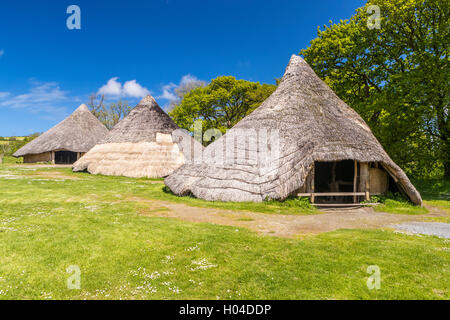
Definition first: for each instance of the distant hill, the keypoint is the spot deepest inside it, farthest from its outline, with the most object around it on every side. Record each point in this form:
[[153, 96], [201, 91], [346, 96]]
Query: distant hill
[[12, 138]]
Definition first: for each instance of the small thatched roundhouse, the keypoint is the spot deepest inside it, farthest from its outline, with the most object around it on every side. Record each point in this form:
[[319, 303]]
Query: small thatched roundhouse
[[146, 143], [303, 140], [66, 142]]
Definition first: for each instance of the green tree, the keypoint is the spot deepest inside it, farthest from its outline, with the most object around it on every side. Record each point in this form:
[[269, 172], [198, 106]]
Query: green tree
[[187, 85], [15, 144], [4, 149], [220, 104], [396, 77]]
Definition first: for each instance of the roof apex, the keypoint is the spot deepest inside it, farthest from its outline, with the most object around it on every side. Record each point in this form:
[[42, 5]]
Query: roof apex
[[82, 107], [294, 64], [148, 100], [311, 123]]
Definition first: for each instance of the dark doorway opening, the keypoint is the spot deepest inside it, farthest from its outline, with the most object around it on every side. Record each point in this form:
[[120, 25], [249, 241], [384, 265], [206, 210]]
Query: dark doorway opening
[[393, 187], [65, 157], [334, 177]]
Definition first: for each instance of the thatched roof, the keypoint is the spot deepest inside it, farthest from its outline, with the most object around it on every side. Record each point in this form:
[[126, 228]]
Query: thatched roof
[[142, 124], [146, 143], [77, 133], [313, 124]]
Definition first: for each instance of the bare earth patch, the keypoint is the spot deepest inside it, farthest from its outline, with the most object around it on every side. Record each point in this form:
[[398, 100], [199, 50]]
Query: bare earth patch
[[288, 226]]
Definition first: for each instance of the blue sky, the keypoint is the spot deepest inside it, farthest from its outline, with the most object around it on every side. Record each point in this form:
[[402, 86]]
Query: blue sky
[[129, 48]]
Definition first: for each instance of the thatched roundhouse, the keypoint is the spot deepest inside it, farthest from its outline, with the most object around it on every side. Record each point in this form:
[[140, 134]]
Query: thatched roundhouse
[[303, 140], [66, 142], [146, 143]]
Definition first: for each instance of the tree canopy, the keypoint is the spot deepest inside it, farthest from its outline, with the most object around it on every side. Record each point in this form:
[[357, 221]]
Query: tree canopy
[[13, 144], [221, 104], [396, 77]]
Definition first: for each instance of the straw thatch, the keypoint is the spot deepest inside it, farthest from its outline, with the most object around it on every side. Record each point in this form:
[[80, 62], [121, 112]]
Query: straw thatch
[[146, 143], [77, 133], [312, 124]]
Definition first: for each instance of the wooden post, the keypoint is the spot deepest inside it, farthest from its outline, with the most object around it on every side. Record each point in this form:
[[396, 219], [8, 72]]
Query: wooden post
[[367, 191], [364, 179], [355, 176], [53, 157], [312, 182]]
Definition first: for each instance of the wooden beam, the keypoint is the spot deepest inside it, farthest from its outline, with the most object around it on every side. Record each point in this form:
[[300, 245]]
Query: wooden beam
[[355, 176], [345, 204], [367, 191], [330, 194], [312, 182], [364, 179]]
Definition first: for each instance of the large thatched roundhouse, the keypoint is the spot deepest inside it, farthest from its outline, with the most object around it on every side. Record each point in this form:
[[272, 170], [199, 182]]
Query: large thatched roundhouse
[[146, 143], [66, 142], [303, 140]]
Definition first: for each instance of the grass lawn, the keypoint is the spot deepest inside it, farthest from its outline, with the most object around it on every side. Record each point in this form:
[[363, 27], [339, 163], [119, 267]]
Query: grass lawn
[[12, 160], [48, 223], [434, 192]]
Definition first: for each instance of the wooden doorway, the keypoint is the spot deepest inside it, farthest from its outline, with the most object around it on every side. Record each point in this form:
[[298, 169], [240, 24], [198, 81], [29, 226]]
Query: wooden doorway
[[337, 183], [65, 157], [338, 179]]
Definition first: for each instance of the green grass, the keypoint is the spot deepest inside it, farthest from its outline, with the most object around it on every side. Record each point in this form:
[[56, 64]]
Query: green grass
[[396, 204], [434, 192], [433, 189], [48, 224], [289, 206], [12, 160], [400, 207], [160, 192]]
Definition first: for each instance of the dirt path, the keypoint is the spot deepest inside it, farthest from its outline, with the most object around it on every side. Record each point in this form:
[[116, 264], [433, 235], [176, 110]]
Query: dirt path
[[289, 226]]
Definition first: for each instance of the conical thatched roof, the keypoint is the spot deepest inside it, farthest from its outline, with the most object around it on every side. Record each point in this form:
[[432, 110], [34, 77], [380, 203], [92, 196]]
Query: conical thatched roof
[[142, 124], [312, 123], [77, 133], [146, 143]]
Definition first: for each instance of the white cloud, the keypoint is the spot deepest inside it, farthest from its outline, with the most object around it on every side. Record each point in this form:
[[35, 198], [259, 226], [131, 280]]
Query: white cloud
[[111, 88], [44, 97], [2, 52], [133, 89], [172, 91], [129, 89], [188, 79], [168, 92]]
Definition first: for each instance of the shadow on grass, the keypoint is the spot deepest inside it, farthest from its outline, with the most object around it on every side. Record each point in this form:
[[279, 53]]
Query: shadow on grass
[[291, 205], [435, 192], [434, 189]]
